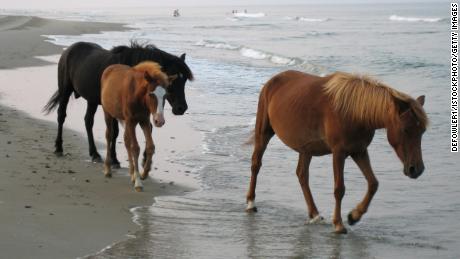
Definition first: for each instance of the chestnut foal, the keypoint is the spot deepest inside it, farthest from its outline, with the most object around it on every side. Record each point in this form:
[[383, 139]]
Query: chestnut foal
[[130, 95]]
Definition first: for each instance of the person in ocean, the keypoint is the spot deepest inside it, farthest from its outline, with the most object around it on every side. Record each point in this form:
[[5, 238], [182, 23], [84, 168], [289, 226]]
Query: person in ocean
[[176, 13]]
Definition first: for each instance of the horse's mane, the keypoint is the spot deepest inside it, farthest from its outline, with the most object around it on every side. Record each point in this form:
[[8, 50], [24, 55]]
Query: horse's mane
[[138, 52], [154, 70], [364, 99]]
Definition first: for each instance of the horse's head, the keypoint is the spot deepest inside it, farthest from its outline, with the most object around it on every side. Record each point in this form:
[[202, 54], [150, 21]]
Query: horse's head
[[171, 65], [157, 89], [405, 135], [176, 92]]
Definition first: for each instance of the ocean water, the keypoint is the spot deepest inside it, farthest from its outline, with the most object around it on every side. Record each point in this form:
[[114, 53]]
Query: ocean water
[[232, 56]]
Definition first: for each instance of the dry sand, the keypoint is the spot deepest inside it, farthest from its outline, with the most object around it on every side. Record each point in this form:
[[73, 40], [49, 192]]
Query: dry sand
[[63, 207]]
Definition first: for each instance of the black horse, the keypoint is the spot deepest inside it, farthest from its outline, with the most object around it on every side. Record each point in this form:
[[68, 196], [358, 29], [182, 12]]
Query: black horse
[[79, 72]]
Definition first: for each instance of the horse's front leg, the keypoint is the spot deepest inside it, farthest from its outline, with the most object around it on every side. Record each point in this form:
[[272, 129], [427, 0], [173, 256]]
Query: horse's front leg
[[109, 121], [364, 164], [114, 161], [127, 139], [135, 150], [339, 191], [89, 122], [149, 149], [144, 158], [303, 176]]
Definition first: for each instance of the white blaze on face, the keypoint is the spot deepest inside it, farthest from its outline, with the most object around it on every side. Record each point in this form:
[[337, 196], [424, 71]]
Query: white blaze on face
[[159, 93]]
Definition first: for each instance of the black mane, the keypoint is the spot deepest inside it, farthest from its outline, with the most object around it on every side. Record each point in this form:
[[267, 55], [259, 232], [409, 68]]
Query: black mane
[[138, 52]]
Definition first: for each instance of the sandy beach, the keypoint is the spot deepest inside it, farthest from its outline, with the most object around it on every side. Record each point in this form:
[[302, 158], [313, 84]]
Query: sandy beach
[[54, 207], [22, 40]]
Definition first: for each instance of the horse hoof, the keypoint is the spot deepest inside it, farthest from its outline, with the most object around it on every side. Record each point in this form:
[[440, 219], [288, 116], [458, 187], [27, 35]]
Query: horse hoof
[[58, 153], [315, 220], [143, 177], [138, 188], [96, 160], [251, 210], [351, 220], [340, 230], [116, 166], [109, 175]]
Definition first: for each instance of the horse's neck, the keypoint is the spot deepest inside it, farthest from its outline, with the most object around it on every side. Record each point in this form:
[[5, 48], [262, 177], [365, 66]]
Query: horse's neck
[[127, 59]]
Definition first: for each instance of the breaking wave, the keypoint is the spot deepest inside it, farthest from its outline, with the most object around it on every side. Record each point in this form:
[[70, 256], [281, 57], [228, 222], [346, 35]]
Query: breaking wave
[[398, 18], [305, 19], [250, 53], [249, 15]]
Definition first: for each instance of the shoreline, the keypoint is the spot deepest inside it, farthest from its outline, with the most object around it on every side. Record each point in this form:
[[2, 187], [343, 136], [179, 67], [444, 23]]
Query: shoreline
[[22, 38], [60, 207]]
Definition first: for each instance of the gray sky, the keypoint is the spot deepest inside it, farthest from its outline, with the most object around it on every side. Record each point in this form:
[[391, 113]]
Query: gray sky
[[58, 4]]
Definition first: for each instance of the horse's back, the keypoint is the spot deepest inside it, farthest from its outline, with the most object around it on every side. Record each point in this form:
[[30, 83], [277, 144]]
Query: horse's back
[[81, 66], [296, 106]]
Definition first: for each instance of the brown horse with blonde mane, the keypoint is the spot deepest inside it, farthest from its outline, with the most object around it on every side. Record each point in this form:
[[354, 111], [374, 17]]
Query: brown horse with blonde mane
[[336, 114], [130, 95]]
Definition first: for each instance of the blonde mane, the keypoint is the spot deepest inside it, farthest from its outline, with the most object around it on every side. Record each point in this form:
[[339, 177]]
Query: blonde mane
[[154, 70], [366, 100]]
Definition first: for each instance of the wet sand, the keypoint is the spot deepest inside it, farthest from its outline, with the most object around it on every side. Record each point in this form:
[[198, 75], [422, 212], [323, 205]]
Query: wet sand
[[56, 207], [59, 207]]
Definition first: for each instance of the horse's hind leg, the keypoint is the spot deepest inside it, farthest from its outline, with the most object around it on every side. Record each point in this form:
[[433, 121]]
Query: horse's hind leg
[[262, 135], [89, 122], [363, 162], [114, 161], [63, 101], [149, 149], [303, 176]]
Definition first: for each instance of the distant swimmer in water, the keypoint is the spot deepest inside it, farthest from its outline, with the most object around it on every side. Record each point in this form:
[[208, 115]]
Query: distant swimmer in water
[[176, 13]]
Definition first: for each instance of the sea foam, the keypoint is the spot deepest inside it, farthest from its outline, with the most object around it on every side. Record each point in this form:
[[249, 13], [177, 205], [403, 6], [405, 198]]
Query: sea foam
[[252, 53], [305, 19], [398, 18], [216, 45], [249, 52], [249, 15]]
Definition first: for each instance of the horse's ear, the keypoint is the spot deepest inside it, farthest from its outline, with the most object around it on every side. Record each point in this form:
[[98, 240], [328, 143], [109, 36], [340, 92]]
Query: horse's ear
[[421, 99], [172, 78], [182, 57], [403, 106], [148, 77]]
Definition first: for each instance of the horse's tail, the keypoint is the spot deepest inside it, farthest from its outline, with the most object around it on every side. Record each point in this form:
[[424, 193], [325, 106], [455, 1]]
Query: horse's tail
[[250, 141], [62, 84], [52, 103], [262, 126]]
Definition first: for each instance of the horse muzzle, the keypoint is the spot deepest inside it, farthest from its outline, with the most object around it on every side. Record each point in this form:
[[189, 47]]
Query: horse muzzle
[[413, 171], [179, 110], [158, 120]]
